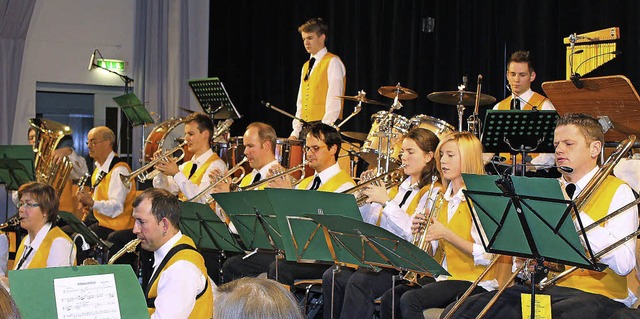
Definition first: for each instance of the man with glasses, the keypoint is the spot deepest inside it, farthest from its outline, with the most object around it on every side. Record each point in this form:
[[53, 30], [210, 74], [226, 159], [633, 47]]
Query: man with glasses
[[111, 202]]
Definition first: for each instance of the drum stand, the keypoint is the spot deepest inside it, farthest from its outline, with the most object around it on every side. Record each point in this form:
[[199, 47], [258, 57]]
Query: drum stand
[[460, 107], [385, 134]]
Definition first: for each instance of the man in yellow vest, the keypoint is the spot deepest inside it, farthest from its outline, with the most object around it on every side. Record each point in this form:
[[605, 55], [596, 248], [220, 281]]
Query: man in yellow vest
[[322, 146], [111, 200], [584, 293], [323, 77], [192, 176], [179, 286], [520, 74]]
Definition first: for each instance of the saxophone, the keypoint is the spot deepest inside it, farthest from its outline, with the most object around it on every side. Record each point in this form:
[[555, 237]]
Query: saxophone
[[128, 248]]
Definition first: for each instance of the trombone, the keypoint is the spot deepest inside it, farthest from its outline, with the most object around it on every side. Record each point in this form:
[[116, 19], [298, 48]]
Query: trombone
[[211, 186], [581, 200], [391, 178], [141, 172], [258, 184]]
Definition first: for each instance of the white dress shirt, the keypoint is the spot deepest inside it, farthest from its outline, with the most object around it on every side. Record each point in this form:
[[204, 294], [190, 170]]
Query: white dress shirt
[[181, 183], [113, 206], [178, 285], [79, 165], [62, 252], [328, 174], [621, 260], [333, 106]]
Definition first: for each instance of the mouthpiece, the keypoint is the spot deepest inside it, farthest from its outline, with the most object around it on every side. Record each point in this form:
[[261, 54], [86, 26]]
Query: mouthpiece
[[566, 169]]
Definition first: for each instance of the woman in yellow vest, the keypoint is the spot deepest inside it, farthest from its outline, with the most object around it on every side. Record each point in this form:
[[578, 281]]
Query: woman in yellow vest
[[452, 232], [45, 245], [392, 211]]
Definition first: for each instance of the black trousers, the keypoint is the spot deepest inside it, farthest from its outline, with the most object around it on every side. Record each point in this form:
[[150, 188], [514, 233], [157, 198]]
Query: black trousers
[[289, 271], [237, 266], [437, 294], [566, 303], [390, 301]]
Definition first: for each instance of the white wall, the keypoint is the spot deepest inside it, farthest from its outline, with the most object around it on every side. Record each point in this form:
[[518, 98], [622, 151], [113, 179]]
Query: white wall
[[61, 37]]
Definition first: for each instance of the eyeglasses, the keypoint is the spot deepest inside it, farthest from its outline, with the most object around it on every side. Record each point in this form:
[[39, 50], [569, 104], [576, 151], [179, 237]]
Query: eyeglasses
[[28, 205], [93, 143], [313, 149]]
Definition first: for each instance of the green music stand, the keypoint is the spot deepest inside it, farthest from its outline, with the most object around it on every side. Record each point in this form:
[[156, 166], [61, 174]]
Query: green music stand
[[16, 165], [529, 218], [79, 227], [214, 99], [134, 109], [202, 224], [101, 291], [377, 247]]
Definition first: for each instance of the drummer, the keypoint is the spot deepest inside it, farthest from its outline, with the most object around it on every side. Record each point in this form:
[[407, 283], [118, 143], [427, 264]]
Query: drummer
[[191, 177], [520, 74]]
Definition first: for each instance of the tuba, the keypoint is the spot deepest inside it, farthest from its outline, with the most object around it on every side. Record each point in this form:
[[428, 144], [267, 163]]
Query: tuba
[[49, 135]]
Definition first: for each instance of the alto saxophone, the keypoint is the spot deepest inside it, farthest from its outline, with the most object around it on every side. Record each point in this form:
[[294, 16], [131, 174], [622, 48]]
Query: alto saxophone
[[128, 248]]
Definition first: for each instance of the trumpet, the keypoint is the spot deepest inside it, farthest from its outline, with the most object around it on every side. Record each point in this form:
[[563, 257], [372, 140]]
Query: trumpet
[[211, 186], [141, 174], [258, 184], [128, 248], [13, 221], [435, 208], [391, 179]]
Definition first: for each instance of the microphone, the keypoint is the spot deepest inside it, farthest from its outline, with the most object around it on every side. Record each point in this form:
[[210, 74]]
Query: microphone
[[535, 107], [92, 61], [575, 76], [265, 103]]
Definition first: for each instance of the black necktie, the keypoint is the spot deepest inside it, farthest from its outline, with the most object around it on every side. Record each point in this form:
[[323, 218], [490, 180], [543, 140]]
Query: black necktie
[[256, 178], [406, 196], [570, 189], [316, 183], [515, 103], [311, 62], [194, 167]]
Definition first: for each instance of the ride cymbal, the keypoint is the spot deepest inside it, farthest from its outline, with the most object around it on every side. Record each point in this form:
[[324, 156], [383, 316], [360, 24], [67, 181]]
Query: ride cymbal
[[454, 98], [355, 136], [402, 93], [360, 98]]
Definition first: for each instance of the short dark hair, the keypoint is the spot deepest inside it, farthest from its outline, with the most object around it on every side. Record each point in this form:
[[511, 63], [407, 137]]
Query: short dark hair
[[328, 134], [204, 123], [45, 196], [163, 204], [588, 125], [265, 133], [316, 25], [521, 57]]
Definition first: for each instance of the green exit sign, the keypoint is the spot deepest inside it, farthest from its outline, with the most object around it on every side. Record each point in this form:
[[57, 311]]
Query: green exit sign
[[111, 64]]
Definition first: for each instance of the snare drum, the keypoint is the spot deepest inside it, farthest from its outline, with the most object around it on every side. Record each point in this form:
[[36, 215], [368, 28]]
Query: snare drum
[[437, 126], [165, 136], [376, 143]]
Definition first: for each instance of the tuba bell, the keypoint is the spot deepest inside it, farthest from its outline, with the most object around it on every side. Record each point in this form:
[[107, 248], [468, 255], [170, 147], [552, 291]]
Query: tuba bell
[[49, 133]]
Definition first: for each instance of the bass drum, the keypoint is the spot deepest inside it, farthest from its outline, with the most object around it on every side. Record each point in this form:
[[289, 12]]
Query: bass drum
[[437, 126], [165, 136]]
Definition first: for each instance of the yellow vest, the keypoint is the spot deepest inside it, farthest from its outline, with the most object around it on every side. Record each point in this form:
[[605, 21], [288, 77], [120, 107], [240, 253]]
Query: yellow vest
[[314, 90], [204, 304], [196, 178], [248, 180], [606, 283], [537, 100], [414, 202], [460, 264], [125, 219], [42, 254], [331, 185]]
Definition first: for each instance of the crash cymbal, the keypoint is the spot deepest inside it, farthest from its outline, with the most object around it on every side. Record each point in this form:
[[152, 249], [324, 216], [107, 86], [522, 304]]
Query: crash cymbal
[[355, 136], [453, 98], [360, 98], [402, 93]]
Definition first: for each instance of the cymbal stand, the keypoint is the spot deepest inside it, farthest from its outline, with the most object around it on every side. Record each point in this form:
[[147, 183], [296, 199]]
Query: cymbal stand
[[356, 109], [460, 106], [385, 134]]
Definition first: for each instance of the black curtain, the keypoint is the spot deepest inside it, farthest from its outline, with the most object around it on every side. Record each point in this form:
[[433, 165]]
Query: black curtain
[[257, 52]]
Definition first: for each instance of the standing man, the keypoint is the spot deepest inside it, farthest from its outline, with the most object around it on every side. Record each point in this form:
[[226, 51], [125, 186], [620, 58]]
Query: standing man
[[520, 74], [191, 177], [179, 286], [111, 200], [323, 78], [578, 140]]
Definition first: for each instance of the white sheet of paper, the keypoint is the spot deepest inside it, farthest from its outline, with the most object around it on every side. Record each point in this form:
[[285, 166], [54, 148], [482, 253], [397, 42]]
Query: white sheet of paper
[[87, 297]]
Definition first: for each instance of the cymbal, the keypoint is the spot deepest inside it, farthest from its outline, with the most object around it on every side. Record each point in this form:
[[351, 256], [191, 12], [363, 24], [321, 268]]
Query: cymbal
[[402, 93], [360, 98], [453, 98], [355, 136], [186, 110]]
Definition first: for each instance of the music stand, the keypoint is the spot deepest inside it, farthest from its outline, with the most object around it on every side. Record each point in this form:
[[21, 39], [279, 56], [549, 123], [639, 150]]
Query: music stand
[[529, 218], [214, 99], [16, 165], [200, 223], [612, 98], [133, 109], [519, 131]]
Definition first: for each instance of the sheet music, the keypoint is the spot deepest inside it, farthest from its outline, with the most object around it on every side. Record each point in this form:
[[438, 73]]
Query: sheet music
[[93, 297]]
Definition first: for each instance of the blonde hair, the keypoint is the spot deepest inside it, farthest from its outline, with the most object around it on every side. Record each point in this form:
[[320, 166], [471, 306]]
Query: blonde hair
[[255, 298], [470, 150]]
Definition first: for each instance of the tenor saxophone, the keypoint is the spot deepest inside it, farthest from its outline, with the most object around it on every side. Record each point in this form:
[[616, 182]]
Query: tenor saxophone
[[128, 248]]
